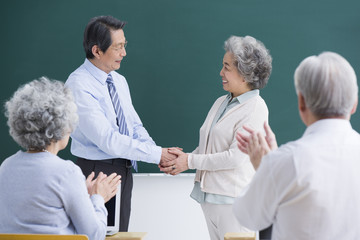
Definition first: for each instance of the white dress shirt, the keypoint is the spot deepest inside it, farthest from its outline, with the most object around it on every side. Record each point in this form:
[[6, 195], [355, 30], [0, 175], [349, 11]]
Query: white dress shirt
[[97, 135], [309, 188]]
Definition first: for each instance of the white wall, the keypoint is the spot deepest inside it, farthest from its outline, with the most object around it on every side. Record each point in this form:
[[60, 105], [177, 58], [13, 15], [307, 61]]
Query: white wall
[[162, 207]]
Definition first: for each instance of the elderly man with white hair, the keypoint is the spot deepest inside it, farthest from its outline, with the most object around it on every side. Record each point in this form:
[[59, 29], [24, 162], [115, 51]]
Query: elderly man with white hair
[[308, 188]]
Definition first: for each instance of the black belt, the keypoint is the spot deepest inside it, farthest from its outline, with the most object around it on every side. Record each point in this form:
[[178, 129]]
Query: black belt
[[118, 161]]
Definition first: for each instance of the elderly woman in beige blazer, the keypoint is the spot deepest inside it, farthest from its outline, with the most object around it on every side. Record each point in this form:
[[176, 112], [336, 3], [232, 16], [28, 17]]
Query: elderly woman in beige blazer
[[222, 169]]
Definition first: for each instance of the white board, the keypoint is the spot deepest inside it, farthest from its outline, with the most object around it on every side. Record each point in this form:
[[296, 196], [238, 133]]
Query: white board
[[162, 207]]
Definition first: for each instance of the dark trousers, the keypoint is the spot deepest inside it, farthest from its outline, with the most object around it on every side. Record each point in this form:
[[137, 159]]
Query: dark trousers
[[265, 234], [121, 167]]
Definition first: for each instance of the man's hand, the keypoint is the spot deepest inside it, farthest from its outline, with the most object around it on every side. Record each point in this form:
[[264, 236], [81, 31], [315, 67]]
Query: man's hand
[[270, 137], [257, 148], [179, 165], [168, 158], [255, 144]]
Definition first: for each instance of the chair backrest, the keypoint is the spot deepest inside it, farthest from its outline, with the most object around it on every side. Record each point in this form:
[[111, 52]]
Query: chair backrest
[[240, 236], [13, 236]]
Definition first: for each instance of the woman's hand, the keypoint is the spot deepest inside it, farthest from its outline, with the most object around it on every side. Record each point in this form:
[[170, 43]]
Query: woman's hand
[[179, 165], [105, 186], [90, 182]]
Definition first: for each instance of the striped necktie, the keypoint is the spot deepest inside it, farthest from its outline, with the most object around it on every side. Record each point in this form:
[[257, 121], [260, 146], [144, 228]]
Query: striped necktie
[[121, 122]]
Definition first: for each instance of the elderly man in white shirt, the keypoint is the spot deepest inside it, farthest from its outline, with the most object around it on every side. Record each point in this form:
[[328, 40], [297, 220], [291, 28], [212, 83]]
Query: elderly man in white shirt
[[308, 188]]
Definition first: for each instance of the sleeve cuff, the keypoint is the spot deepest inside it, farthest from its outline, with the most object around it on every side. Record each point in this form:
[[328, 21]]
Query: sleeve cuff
[[156, 156], [97, 199]]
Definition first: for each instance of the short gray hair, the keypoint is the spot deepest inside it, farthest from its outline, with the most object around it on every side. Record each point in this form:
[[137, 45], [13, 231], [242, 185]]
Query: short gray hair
[[41, 112], [328, 84], [252, 60]]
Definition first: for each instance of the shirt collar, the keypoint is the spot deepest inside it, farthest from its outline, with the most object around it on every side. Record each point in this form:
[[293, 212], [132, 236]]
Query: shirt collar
[[327, 124], [245, 96], [96, 72]]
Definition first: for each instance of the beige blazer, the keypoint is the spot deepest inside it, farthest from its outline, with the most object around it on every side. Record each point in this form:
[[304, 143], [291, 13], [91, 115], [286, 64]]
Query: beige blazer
[[221, 167]]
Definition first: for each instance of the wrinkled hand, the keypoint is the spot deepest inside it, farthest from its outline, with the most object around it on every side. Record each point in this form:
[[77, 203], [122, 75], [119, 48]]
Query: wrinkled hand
[[106, 186], [167, 158], [255, 144], [180, 164], [90, 182], [257, 148], [270, 137]]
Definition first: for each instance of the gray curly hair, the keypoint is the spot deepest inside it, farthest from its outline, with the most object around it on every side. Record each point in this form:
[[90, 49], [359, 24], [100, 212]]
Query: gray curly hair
[[252, 60], [41, 112]]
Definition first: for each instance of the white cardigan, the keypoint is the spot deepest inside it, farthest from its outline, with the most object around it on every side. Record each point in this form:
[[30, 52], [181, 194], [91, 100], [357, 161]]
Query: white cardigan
[[221, 167]]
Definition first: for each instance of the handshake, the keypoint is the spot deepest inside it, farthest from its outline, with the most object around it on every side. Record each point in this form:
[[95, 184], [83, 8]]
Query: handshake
[[173, 161]]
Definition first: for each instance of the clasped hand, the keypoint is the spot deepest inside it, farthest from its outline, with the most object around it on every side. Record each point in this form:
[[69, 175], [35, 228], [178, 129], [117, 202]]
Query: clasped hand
[[173, 161]]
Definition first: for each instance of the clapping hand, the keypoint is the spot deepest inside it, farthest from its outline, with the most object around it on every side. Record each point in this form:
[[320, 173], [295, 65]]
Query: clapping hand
[[255, 144], [105, 186], [90, 182]]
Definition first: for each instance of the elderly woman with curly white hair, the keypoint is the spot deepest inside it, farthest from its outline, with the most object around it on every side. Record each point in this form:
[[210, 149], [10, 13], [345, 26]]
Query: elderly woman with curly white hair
[[222, 169], [40, 192]]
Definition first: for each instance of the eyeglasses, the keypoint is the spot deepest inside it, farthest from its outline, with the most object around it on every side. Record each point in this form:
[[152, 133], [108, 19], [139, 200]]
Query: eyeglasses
[[121, 46]]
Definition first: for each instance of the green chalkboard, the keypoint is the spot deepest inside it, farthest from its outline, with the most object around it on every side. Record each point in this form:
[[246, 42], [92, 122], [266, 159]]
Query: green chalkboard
[[175, 52]]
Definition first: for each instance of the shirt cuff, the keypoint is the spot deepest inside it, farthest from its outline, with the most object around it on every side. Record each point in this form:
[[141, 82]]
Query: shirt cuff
[[156, 155]]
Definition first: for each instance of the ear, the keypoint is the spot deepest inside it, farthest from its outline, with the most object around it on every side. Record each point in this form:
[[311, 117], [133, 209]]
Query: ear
[[96, 51], [353, 110], [305, 115], [301, 103], [243, 79]]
